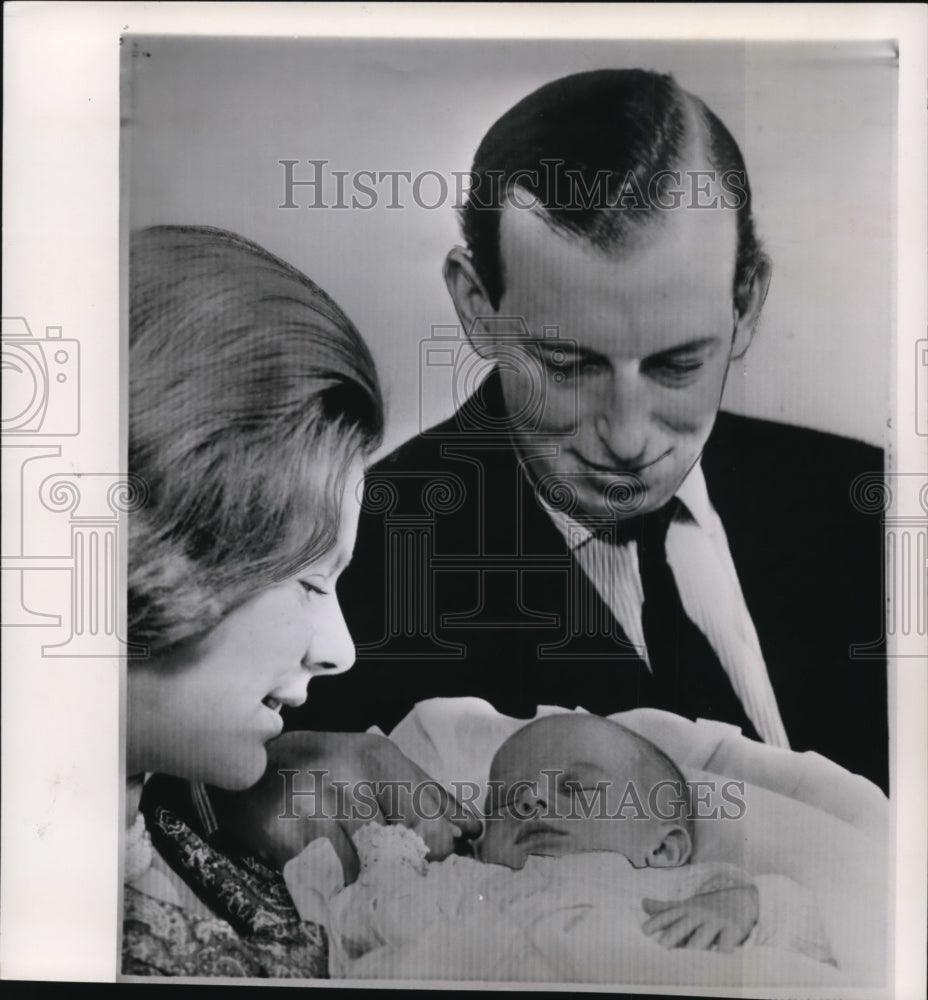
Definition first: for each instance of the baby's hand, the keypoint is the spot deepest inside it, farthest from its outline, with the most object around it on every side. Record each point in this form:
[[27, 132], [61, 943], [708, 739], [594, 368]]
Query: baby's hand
[[358, 778], [718, 920]]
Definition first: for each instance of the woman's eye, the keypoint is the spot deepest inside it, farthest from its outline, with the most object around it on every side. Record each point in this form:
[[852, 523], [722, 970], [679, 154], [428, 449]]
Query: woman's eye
[[311, 588]]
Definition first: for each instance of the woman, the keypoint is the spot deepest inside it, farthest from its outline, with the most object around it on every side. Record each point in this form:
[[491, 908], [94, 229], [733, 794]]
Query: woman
[[253, 403]]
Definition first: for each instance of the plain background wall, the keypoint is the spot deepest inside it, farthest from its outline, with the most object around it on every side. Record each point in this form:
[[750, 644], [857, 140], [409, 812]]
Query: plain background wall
[[208, 120]]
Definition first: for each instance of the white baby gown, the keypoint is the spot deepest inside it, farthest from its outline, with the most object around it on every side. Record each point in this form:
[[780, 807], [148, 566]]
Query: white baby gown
[[571, 919]]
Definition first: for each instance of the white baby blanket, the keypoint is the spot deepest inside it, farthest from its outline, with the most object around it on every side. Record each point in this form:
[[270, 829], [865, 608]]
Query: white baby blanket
[[557, 919]]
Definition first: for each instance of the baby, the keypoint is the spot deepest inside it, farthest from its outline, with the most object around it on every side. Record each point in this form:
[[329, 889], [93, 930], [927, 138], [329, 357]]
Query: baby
[[573, 783], [584, 864]]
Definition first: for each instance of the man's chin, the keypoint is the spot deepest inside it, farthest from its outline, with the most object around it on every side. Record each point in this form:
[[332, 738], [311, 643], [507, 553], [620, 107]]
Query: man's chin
[[595, 512]]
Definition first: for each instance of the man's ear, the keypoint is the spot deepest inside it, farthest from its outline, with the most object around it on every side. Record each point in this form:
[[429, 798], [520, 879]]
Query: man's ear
[[470, 299], [674, 849], [748, 306]]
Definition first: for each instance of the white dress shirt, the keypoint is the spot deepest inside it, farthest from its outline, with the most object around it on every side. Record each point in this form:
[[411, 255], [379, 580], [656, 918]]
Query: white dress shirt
[[702, 567]]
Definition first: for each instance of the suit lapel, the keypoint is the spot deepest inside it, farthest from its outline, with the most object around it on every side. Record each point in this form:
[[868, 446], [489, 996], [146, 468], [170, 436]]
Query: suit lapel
[[741, 485]]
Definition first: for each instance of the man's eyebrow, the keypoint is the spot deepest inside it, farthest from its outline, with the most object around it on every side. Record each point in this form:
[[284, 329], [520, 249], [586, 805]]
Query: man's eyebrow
[[550, 346]]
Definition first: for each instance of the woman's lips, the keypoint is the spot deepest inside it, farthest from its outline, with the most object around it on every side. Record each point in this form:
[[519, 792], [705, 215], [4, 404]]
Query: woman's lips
[[274, 719]]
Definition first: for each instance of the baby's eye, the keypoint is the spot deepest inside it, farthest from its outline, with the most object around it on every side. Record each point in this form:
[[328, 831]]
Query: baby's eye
[[581, 786], [512, 797]]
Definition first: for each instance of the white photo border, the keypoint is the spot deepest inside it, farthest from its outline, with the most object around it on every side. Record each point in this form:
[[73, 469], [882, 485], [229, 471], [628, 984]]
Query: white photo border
[[61, 733]]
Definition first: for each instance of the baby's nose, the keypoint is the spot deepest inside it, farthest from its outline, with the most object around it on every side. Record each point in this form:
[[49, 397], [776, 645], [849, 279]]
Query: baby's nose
[[528, 800]]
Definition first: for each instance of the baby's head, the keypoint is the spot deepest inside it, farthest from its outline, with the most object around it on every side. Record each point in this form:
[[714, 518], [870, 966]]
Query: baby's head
[[571, 783]]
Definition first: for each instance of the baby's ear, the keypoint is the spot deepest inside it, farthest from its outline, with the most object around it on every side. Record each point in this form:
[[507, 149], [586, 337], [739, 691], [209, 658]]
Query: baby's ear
[[674, 848]]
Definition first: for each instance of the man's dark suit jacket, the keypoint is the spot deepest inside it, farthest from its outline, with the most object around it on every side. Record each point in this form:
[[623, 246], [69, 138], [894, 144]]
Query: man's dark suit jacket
[[462, 585]]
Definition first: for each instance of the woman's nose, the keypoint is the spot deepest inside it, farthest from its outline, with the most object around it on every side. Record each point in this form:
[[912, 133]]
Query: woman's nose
[[331, 649]]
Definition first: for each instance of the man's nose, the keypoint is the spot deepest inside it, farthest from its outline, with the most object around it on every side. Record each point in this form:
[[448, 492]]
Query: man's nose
[[331, 648], [622, 420]]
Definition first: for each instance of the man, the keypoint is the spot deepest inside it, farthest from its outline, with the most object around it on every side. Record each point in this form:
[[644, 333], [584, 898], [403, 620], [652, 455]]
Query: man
[[588, 529]]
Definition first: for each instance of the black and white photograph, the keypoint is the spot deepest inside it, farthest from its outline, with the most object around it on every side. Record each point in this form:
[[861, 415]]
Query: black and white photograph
[[515, 549]]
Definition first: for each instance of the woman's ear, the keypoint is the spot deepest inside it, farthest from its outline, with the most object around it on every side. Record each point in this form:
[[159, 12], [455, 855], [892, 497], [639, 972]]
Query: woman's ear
[[468, 295], [748, 305], [673, 850]]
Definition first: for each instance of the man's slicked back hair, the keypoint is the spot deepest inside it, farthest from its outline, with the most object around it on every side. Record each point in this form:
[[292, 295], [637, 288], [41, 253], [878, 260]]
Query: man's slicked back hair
[[586, 134]]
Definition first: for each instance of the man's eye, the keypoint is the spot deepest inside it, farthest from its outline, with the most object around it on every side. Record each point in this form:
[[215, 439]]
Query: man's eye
[[558, 362], [677, 370], [569, 367]]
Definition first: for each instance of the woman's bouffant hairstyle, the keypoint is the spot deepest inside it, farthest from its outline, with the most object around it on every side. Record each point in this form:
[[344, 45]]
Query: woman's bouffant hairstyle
[[251, 394]]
